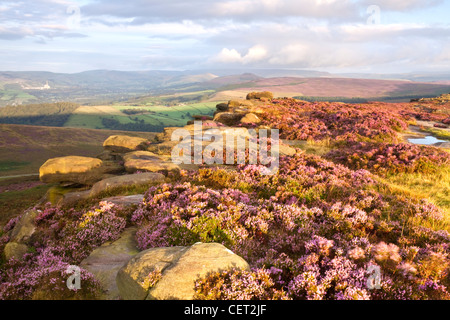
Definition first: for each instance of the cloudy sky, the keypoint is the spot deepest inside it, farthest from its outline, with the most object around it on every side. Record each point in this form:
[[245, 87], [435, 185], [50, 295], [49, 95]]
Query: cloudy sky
[[328, 35]]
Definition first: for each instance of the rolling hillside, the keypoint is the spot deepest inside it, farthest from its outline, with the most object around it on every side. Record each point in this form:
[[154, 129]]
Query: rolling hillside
[[23, 149]]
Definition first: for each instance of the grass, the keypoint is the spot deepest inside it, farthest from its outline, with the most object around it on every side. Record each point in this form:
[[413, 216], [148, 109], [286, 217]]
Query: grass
[[438, 133], [159, 115], [11, 165], [434, 187], [15, 202]]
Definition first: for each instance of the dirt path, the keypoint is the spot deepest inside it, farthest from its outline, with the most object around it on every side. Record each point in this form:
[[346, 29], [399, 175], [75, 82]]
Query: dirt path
[[20, 176]]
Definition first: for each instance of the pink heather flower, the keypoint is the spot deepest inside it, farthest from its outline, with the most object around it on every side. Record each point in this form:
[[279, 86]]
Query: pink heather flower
[[357, 253], [386, 252]]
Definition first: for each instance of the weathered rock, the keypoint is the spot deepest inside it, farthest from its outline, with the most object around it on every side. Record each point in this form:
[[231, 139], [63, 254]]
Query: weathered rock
[[251, 118], [147, 161], [72, 198], [73, 169], [162, 148], [131, 277], [260, 95], [109, 156], [120, 143], [15, 250], [222, 107], [138, 179], [179, 268], [202, 117], [126, 201], [238, 103], [105, 261], [228, 118], [24, 228], [285, 150]]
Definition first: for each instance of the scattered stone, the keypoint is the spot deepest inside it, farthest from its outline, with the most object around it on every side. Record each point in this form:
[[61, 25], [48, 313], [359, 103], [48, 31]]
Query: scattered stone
[[138, 179], [285, 150], [202, 118], [267, 95], [73, 169], [147, 161], [109, 156], [228, 118], [24, 228], [239, 103], [105, 261], [179, 268], [72, 198], [121, 144], [15, 250], [163, 148], [126, 201], [222, 107], [251, 118]]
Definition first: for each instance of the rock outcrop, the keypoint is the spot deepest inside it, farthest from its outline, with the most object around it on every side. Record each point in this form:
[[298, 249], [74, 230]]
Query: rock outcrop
[[147, 161], [105, 261], [178, 267], [122, 143], [138, 179], [74, 169]]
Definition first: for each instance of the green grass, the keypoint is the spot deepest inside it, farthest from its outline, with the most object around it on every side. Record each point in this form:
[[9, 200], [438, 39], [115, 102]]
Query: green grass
[[12, 165], [167, 116], [438, 133], [15, 202]]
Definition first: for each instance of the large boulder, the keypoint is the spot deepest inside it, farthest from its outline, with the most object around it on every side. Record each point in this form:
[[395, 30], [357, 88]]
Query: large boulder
[[138, 179], [24, 228], [250, 118], [15, 250], [121, 143], [73, 169], [228, 118], [126, 201], [105, 261], [147, 161], [265, 95], [179, 268], [222, 107]]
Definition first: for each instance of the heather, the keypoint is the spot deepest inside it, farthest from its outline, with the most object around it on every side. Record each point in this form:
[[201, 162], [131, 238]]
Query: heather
[[317, 229], [310, 233], [63, 238], [385, 158]]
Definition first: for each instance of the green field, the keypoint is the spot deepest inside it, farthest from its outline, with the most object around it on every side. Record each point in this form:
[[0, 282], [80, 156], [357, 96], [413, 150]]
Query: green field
[[157, 115]]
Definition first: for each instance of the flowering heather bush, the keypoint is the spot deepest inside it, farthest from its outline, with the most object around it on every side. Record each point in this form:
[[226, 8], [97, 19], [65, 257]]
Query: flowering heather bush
[[62, 238], [300, 120], [42, 276], [390, 158], [309, 232]]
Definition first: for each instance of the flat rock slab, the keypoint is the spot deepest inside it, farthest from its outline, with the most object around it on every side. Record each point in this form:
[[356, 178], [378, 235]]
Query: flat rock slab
[[105, 261], [121, 143], [74, 169], [126, 200], [138, 179], [147, 161], [179, 267]]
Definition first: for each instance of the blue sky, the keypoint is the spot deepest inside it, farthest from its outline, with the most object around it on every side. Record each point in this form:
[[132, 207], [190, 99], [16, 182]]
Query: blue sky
[[328, 35]]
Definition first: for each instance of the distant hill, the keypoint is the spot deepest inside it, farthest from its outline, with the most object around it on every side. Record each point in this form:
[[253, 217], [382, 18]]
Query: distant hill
[[342, 87], [98, 87]]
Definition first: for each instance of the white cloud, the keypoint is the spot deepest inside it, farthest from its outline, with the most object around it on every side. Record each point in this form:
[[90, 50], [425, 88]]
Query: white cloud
[[254, 54]]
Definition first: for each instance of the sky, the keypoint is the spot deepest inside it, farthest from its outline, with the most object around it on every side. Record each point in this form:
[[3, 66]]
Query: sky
[[366, 36]]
